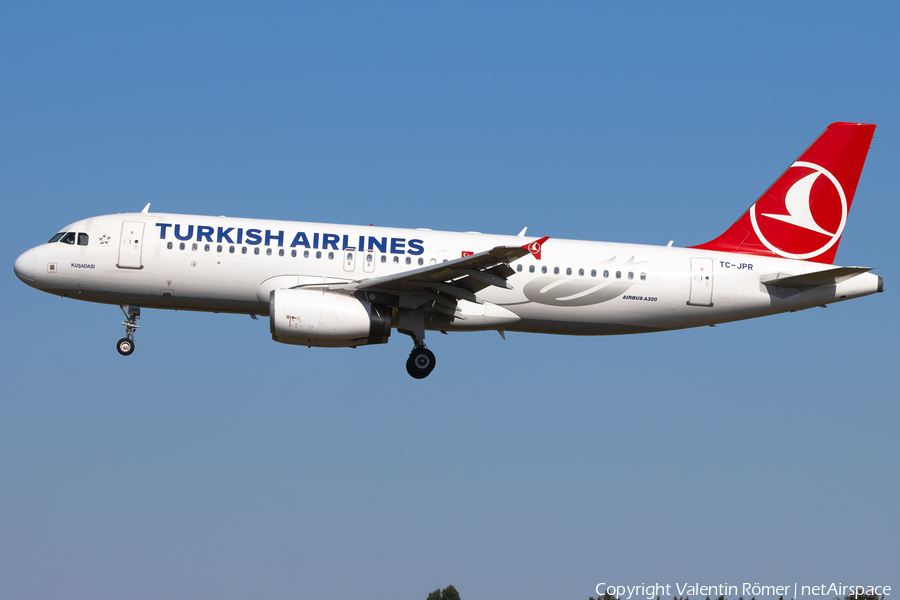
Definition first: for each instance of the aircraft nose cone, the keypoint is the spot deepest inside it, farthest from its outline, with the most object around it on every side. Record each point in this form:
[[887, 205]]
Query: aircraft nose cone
[[25, 266]]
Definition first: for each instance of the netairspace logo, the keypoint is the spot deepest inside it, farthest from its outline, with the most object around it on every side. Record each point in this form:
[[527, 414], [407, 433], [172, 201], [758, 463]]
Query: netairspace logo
[[651, 590]]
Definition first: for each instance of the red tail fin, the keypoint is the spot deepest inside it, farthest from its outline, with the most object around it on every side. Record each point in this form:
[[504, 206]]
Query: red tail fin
[[803, 214]]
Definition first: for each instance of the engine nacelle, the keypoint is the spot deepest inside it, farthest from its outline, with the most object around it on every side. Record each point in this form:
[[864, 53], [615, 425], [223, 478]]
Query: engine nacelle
[[317, 318]]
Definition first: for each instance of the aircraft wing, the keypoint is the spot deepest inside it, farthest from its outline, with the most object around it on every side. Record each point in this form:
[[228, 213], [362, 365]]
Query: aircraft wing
[[444, 283], [480, 268]]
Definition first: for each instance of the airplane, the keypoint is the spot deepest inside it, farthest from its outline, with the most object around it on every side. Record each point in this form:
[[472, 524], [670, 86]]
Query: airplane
[[328, 285]]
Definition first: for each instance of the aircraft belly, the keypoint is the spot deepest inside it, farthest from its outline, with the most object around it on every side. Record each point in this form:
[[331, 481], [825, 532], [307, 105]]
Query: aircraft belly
[[575, 328], [477, 317]]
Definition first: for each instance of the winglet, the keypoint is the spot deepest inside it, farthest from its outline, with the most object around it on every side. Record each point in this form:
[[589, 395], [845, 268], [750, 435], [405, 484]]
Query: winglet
[[146, 209], [535, 246]]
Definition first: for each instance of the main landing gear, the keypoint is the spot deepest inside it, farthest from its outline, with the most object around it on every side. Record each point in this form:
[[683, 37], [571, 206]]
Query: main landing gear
[[125, 346], [420, 362]]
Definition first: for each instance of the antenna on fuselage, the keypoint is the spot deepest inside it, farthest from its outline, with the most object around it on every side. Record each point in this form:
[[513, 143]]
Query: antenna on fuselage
[[522, 233], [146, 209]]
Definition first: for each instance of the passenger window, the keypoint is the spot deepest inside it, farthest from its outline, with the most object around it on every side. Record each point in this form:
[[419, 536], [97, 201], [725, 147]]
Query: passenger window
[[256, 251], [219, 248], [580, 272], [331, 256], [306, 254], [181, 246], [56, 238], [268, 252], [383, 258], [194, 247], [630, 274], [82, 239], [281, 252], [543, 269], [69, 238], [593, 272], [243, 249], [206, 247], [421, 261], [643, 277], [408, 260], [318, 254], [293, 254], [231, 249], [169, 245], [568, 270], [350, 256], [531, 268], [396, 260], [618, 274], [606, 274], [519, 268], [556, 270]]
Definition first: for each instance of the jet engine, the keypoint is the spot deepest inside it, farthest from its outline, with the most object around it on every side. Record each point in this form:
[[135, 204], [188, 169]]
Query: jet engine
[[319, 318]]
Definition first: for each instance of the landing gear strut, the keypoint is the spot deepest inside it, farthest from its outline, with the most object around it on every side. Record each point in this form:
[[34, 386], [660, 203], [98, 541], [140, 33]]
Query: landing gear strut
[[125, 346], [420, 362]]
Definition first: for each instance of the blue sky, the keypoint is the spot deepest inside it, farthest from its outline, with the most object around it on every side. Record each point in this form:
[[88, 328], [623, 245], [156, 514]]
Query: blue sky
[[215, 463]]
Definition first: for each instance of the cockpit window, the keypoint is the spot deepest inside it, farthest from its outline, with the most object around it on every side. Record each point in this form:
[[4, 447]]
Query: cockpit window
[[56, 237], [69, 238], [82, 239]]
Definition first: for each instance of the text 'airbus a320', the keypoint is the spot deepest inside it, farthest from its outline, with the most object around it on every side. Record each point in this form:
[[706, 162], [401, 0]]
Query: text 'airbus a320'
[[329, 285]]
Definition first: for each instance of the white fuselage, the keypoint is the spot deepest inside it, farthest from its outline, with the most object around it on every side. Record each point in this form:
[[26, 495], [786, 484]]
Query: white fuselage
[[223, 264]]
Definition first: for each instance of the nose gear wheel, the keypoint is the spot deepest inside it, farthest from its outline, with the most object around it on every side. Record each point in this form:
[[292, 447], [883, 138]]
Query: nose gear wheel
[[125, 346]]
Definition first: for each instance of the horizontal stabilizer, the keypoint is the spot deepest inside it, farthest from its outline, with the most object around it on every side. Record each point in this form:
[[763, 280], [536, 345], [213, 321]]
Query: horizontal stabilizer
[[811, 280]]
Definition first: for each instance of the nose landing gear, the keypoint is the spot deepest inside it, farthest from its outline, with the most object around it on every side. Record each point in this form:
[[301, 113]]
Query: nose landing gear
[[125, 346]]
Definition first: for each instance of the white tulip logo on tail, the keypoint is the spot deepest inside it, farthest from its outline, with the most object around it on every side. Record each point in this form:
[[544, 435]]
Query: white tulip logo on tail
[[796, 201], [798, 204]]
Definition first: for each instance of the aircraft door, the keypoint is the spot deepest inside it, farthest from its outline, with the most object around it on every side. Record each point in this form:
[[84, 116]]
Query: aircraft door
[[131, 244], [701, 282], [349, 259], [370, 258]]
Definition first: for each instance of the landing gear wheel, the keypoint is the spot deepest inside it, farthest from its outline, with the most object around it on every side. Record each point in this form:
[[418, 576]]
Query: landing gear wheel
[[125, 346], [420, 363]]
